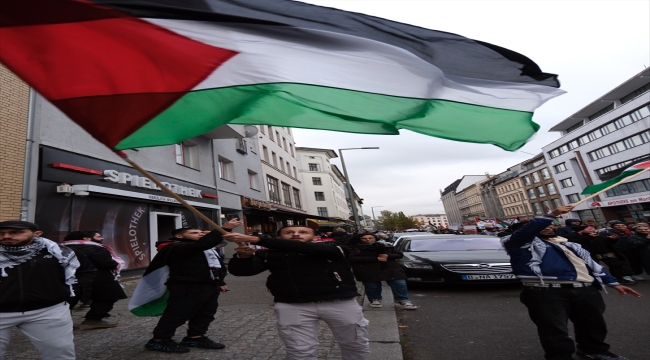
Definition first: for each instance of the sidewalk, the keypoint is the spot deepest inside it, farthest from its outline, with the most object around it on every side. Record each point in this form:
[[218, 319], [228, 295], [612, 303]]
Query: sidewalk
[[245, 323]]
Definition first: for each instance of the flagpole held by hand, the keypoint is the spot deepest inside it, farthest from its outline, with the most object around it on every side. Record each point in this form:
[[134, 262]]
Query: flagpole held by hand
[[609, 187]]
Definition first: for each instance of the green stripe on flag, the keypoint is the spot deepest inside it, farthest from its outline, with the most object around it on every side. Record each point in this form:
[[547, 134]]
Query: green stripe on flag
[[592, 189], [152, 308], [325, 108]]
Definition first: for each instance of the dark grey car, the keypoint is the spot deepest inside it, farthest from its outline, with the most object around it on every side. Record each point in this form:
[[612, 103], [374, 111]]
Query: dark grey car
[[464, 259]]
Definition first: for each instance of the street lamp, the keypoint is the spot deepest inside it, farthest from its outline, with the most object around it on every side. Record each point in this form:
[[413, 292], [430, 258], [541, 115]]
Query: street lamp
[[372, 209], [349, 186]]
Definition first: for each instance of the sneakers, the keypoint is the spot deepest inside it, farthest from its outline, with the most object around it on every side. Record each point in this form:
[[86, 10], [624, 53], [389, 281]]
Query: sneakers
[[166, 345], [627, 280], [637, 278], [202, 342], [96, 324], [405, 305], [376, 303], [602, 356]]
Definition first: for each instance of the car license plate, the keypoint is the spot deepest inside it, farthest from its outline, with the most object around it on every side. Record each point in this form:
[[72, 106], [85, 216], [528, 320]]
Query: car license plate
[[489, 277]]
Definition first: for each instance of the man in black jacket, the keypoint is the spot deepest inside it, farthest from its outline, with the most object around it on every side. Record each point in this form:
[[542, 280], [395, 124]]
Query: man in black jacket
[[195, 281], [105, 289], [36, 275], [309, 281]]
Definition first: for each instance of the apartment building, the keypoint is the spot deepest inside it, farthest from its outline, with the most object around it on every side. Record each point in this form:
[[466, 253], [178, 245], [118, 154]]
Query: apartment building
[[512, 194], [431, 219], [539, 186], [601, 138], [490, 198], [456, 202], [323, 183]]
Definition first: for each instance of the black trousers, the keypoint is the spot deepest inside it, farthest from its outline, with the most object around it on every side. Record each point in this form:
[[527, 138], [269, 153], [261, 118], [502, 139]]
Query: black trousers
[[552, 308], [194, 303], [99, 308]]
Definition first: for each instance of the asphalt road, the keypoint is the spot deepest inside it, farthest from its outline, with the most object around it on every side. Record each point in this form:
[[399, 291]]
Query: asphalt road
[[489, 322]]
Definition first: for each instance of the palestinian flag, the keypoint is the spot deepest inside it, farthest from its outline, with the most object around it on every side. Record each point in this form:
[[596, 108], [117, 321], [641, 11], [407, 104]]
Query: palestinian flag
[[631, 170], [150, 295], [501, 223], [137, 73]]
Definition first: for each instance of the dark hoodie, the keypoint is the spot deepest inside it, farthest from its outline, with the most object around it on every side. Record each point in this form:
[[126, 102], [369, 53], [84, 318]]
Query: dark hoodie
[[567, 229], [366, 266]]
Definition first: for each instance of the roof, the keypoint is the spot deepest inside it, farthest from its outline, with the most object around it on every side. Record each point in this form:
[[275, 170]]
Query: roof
[[331, 153], [607, 99]]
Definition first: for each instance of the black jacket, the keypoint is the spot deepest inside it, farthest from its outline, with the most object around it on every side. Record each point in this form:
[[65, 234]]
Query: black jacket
[[105, 286], [366, 267], [300, 272], [34, 284], [187, 262]]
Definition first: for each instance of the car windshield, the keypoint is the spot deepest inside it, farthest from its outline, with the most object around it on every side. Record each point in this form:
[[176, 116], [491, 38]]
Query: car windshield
[[486, 243]]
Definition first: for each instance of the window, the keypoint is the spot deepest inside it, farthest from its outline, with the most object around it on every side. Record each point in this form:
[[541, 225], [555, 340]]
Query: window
[[531, 194], [322, 211], [253, 180], [187, 154], [556, 203], [295, 172], [535, 177], [265, 152], [551, 189], [296, 198], [291, 148], [274, 194], [320, 196], [286, 194], [277, 136], [275, 159], [643, 89], [540, 191], [573, 198], [271, 134], [560, 168], [526, 180], [546, 206], [537, 209], [603, 111], [313, 167], [284, 142], [630, 188], [282, 164], [574, 127], [565, 183], [630, 142], [316, 181], [226, 169], [545, 174]]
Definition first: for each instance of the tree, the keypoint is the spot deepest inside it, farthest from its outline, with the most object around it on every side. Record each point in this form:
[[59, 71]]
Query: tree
[[389, 220]]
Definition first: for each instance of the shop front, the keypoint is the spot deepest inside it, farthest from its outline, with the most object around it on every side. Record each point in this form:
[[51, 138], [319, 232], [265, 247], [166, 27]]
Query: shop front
[[628, 209], [267, 218], [76, 192]]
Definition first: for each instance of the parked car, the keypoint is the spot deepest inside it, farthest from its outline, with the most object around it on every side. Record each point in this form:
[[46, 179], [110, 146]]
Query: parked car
[[455, 259]]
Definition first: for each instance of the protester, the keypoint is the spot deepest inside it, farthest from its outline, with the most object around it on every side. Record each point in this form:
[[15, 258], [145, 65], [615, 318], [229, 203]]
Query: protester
[[567, 228], [560, 281], [309, 281], [106, 289], [374, 262], [619, 232], [634, 248], [36, 277], [196, 273]]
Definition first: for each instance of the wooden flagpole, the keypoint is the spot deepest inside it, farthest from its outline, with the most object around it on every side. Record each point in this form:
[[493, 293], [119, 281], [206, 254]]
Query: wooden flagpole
[[609, 187], [164, 188]]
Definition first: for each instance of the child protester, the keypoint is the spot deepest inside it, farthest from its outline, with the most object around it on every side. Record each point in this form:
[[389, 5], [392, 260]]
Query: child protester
[[373, 262]]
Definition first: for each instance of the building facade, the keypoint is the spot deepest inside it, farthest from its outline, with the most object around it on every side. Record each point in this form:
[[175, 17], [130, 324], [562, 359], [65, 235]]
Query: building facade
[[323, 183], [510, 190], [449, 202], [14, 122], [539, 186], [439, 220], [459, 203], [605, 136], [490, 198]]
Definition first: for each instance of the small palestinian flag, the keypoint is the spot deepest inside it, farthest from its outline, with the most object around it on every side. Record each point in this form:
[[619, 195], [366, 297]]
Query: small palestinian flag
[[634, 169], [501, 223], [137, 73], [150, 295]]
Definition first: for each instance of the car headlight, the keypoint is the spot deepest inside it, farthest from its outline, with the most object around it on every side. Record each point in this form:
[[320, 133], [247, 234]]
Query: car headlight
[[417, 265]]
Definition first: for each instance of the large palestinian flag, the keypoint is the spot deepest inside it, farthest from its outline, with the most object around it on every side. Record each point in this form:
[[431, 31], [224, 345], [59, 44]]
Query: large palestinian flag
[[138, 73], [618, 176]]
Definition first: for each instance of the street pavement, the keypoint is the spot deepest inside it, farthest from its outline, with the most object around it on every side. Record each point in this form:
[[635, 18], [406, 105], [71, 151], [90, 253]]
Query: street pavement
[[489, 322], [245, 323]]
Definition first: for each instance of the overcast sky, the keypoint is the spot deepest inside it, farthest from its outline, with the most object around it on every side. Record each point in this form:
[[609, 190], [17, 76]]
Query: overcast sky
[[592, 45]]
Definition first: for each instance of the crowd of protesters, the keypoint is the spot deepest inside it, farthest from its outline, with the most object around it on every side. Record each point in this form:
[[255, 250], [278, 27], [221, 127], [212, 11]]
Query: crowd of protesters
[[311, 277]]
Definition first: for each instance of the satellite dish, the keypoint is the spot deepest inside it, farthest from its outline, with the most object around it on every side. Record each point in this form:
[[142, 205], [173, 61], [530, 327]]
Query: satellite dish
[[250, 130]]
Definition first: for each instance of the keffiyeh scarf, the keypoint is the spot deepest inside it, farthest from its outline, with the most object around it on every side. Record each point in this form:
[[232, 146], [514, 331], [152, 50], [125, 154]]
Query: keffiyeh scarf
[[117, 259], [11, 256]]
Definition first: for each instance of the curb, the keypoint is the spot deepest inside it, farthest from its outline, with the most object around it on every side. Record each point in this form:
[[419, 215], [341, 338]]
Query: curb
[[382, 330]]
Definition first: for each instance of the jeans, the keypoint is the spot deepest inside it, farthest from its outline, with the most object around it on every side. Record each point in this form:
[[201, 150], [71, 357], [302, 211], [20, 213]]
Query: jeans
[[552, 308], [195, 303], [373, 289]]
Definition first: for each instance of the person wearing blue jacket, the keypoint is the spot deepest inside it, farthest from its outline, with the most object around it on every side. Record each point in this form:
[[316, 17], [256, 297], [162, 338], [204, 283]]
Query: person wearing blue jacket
[[561, 282]]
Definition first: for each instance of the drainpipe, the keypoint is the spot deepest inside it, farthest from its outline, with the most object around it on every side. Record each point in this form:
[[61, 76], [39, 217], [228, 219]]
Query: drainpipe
[[27, 202]]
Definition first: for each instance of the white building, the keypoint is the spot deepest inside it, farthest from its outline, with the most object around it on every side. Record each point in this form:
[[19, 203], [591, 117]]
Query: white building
[[280, 167], [434, 219], [323, 183], [604, 136]]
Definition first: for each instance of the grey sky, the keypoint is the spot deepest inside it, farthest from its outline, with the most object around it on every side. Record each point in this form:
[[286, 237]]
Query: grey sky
[[592, 45]]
